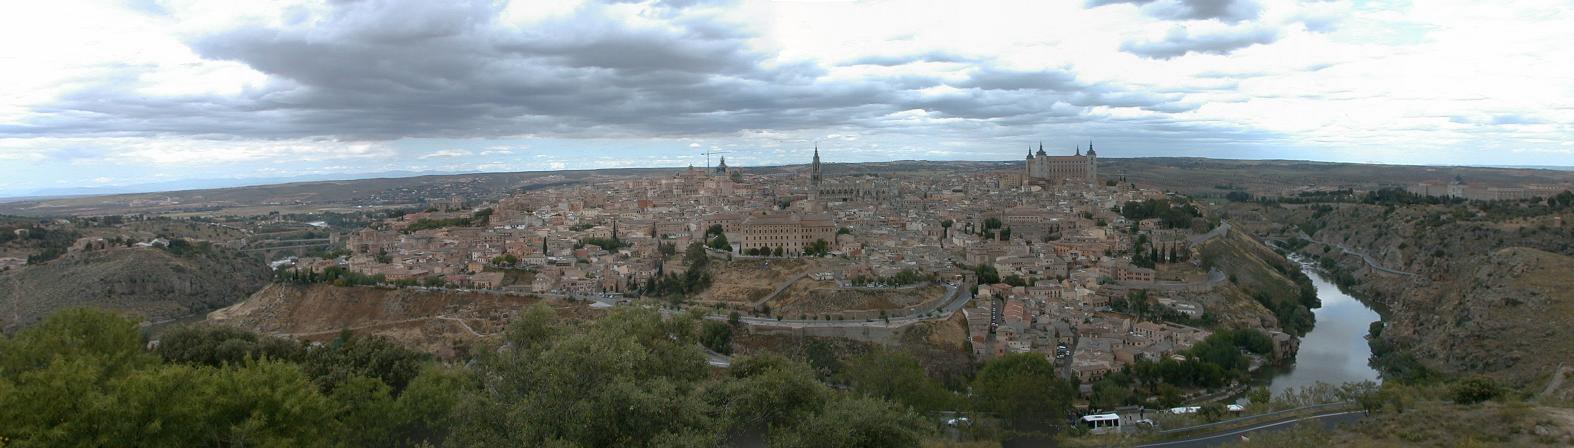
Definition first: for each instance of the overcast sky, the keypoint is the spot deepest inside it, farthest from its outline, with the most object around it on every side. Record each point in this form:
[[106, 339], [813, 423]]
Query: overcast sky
[[96, 93]]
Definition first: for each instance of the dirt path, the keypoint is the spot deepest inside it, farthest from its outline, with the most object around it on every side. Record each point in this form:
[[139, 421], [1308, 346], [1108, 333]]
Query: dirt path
[[393, 323], [1557, 382], [756, 304], [462, 323]]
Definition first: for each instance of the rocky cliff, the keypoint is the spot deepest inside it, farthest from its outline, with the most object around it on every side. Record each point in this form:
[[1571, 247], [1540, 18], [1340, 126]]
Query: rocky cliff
[[1460, 294]]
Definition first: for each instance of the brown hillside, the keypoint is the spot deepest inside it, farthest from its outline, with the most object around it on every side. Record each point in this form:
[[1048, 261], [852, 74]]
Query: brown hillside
[[435, 321], [153, 284]]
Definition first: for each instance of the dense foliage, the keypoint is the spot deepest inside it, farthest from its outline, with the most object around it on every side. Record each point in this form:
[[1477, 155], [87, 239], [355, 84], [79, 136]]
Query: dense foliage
[[1140, 305], [1023, 389], [901, 278], [1170, 215], [694, 279], [84, 378], [51, 243], [1212, 363], [633, 378], [429, 224], [611, 244]]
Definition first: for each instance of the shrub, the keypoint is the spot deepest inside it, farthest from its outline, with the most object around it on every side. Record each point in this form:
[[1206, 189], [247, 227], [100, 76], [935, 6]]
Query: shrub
[[1475, 390]]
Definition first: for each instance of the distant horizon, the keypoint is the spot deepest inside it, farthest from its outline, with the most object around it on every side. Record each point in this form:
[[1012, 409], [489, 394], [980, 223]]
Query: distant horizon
[[241, 182]]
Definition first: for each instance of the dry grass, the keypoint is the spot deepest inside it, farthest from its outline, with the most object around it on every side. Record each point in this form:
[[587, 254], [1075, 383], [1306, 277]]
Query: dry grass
[[745, 281], [821, 297], [1437, 424]]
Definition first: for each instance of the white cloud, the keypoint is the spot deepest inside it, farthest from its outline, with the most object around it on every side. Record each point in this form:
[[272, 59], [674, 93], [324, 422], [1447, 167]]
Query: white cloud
[[446, 153]]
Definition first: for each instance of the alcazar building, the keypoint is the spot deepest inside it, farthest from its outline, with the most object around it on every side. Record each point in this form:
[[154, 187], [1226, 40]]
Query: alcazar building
[[1072, 169]]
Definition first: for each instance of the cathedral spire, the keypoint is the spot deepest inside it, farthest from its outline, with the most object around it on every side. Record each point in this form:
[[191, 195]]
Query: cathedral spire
[[814, 172], [1079, 150]]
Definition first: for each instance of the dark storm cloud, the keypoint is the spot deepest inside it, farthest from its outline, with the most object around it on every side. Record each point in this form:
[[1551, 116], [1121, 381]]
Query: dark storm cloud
[[1179, 41], [1225, 10], [383, 70]]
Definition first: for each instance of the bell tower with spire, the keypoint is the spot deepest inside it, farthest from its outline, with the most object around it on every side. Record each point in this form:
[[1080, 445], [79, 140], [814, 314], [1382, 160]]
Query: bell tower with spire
[[814, 177]]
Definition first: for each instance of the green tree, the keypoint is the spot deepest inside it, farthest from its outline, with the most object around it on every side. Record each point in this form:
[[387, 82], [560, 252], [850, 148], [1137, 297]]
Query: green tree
[[1259, 395], [818, 248], [629, 379], [1023, 389], [219, 345], [854, 423], [426, 408], [102, 338], [716, 336], [720, 243], [767, 390], [1211, 411], [897, 377], [366, 405], [374, 356], [1475, 389], [1109, 393], [987, 275]]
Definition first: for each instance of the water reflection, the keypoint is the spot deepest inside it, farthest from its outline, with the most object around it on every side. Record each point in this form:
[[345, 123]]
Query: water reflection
[[1335, 351]]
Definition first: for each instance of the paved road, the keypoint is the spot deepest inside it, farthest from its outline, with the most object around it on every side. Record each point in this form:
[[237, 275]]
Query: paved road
[[1364, 257], [717, 359], [1209, 440], [298, 246], [1224, 226]]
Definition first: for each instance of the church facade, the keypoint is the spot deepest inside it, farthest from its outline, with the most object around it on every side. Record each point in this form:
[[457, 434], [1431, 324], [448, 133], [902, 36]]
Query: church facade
[[1073, 169]]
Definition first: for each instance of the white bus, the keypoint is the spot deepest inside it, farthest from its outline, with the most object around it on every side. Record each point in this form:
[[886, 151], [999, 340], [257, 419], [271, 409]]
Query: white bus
[[1101, 423]]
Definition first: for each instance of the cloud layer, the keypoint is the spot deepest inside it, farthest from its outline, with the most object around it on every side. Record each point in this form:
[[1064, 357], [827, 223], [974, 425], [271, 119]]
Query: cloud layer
[[159, 89]]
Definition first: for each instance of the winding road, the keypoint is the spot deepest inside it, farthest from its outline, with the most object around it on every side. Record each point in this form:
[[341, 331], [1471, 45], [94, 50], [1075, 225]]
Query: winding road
[[1371, 262], [1224, 226]]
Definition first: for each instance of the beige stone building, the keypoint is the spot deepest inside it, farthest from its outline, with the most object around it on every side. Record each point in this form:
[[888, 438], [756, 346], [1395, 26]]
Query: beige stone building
[[790, 231]]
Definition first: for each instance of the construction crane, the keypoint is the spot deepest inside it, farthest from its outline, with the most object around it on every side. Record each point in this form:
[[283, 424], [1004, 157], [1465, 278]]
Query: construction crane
[[709, 153]]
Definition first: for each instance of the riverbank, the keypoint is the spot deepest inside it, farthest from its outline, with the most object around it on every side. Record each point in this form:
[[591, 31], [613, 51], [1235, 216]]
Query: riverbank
[[1336, 351]]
